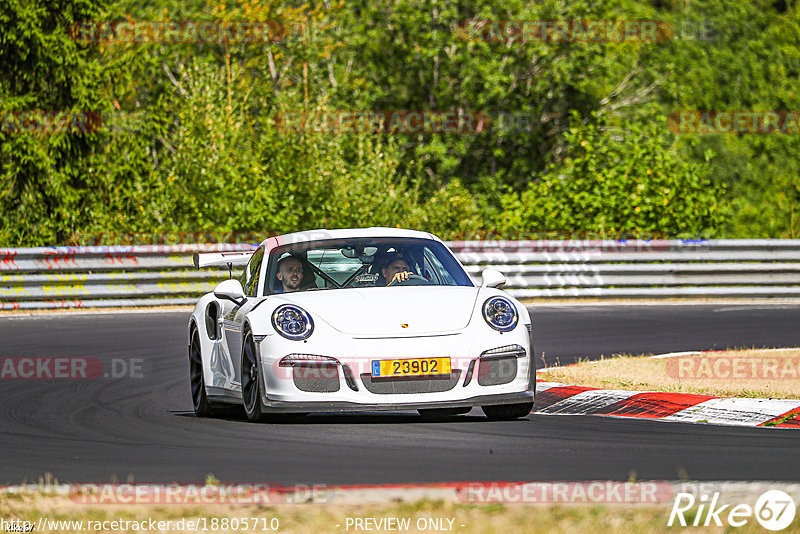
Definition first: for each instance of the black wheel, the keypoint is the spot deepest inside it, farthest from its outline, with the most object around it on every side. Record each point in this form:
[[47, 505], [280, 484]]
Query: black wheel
[[202, 406], [442, 413], [501, 412], [251, 380]]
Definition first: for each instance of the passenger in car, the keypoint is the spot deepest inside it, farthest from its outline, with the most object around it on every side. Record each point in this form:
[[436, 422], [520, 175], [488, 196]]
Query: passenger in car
[[290, 274]]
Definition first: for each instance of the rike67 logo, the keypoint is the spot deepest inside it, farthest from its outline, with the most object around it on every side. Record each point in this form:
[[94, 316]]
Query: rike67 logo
[[774, 510]]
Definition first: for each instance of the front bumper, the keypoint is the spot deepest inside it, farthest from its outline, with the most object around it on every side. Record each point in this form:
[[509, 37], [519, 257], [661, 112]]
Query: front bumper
[[350, 387], [342, 407]]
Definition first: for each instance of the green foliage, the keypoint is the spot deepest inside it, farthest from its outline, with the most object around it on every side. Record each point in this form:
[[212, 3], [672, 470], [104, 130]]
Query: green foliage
[[221, 165], [740, 56], [434, 63], [618, 182], [43, 195], [190, 142]]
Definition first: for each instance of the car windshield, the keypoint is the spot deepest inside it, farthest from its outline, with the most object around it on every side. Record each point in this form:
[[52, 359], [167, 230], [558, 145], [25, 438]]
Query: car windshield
[[347, 263]]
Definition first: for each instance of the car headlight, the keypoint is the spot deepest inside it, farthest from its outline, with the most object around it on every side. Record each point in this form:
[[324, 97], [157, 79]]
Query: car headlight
[[292, 322], [500, 313]]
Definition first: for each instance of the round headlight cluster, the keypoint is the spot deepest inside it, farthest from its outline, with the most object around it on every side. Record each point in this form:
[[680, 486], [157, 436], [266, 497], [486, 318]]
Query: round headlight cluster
[[500, 313], [292, 322]]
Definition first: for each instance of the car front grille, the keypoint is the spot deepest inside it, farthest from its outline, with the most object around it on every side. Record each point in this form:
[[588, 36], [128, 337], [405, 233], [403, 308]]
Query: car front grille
[[408, 385]]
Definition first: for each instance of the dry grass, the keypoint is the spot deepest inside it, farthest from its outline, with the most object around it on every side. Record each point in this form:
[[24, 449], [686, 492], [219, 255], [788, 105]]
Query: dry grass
[[743, 373], [315, 518]]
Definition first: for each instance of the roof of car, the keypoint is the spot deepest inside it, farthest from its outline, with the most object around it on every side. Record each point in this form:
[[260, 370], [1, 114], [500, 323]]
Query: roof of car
[[343, 233]]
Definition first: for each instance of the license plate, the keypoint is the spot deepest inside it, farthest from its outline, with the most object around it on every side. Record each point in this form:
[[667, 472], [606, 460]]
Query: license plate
[[411, 367]]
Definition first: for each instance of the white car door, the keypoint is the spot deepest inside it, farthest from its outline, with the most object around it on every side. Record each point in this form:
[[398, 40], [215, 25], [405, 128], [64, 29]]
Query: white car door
[[233, 319]]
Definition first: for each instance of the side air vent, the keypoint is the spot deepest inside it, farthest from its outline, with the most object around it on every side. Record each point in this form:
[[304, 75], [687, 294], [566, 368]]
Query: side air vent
[[212, 321]]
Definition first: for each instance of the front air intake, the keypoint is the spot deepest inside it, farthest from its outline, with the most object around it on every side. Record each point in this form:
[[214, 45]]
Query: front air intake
[[316, 377], [496, 371], [499, 366]]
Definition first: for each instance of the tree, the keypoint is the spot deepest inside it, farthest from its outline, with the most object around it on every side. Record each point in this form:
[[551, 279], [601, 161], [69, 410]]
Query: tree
[[45, 193], [618, 182]]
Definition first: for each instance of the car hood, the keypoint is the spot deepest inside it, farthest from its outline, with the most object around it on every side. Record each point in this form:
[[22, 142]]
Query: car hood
[[382, 311]]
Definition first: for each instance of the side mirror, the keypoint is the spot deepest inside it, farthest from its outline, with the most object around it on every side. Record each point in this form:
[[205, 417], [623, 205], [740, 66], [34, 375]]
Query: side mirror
[[492, 278], [230, 290]]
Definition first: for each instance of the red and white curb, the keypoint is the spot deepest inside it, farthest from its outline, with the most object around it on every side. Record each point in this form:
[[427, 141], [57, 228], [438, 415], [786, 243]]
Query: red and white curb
[[560, 399]]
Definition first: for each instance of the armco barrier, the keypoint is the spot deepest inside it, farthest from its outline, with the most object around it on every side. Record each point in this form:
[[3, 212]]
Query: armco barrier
[[67, 277], [83, 277]]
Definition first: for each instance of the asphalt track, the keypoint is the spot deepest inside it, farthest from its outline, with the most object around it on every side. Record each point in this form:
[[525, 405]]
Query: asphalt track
[[143, 429]]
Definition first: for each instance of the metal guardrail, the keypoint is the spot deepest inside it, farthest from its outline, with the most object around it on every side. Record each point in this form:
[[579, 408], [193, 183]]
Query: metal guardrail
[[75, 277], [116, 276]]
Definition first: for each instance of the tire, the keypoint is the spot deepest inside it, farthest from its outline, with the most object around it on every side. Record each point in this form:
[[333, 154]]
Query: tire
[[251, 381], [504, 412], [202, 406], [442, 413]]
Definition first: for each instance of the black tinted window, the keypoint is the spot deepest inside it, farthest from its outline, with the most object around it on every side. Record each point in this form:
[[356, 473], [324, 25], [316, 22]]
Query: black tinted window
[[251, 273]]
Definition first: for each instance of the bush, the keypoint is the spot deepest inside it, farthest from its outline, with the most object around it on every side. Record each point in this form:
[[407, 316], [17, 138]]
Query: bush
[[617, 181]]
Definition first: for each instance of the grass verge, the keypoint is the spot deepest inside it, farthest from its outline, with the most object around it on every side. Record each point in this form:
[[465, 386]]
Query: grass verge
[[329, 518], [768, 373]]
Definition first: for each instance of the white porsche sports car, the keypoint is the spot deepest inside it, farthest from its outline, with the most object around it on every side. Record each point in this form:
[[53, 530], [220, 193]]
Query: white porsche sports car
[[358, 320]]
